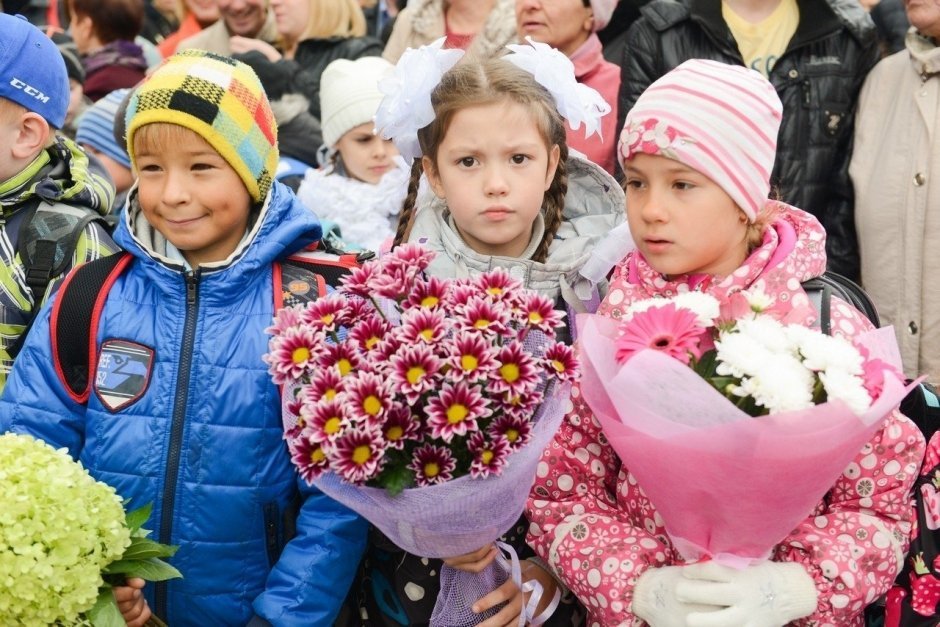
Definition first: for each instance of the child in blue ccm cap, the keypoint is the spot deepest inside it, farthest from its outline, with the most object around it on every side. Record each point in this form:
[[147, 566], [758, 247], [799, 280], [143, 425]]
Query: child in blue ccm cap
[[37, 165]]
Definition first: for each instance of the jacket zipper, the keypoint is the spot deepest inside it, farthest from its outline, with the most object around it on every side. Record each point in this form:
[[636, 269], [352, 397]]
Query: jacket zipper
[[176, 429]]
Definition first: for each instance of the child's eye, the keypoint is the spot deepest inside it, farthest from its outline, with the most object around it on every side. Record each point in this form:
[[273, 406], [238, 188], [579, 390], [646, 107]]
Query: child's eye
[[520, 159], [202, 166], [683, 185], [149, 167], [364, 139], [633, 184], [467, 162]]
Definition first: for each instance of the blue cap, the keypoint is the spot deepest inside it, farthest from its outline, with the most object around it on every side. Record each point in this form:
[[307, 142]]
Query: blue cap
[[96, 127], [32, 71]]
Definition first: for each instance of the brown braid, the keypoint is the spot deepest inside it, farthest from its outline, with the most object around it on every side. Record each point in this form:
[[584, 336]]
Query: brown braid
[[406, 216], [554, 204]]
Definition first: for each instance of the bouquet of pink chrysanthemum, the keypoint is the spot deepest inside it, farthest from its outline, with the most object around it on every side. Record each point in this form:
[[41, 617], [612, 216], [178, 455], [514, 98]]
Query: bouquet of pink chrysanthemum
[[678, 383], [421, 403]]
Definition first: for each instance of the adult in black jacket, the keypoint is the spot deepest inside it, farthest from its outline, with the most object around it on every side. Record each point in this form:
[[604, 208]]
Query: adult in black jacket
[[818, 79]]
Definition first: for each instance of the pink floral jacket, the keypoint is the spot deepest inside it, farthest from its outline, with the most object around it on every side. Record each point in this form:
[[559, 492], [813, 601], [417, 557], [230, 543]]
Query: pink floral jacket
[[596, 528]]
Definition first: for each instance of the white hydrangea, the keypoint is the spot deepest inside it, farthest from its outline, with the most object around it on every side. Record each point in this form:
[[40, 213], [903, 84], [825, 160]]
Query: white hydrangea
[[58, 529]]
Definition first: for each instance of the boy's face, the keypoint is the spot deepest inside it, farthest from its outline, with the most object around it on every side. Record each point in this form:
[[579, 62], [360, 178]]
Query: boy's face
[[190, 194]]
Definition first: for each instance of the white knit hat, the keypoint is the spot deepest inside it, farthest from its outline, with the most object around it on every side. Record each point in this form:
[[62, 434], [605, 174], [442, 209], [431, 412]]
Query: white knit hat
[[349, 95], [719, 119], [603, 9]]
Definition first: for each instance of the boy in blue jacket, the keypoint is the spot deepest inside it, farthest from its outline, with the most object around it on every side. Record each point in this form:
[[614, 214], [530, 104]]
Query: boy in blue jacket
[[183, 413]]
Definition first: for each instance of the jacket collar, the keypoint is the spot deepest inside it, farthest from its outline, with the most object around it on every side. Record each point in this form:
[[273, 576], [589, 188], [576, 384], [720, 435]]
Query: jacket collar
[[925, 54]]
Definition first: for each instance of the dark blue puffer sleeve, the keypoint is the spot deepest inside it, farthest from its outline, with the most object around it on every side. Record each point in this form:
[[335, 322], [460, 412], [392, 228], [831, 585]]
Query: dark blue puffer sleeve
[[309, 583], [34, 400]]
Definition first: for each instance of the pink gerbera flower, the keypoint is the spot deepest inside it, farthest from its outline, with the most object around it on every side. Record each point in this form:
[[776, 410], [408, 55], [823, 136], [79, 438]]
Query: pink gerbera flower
[[432, 465], [471, 357], [357, 455], [456, 410], [538, 312], [285, 318], [400, 426], [561, 362], [415, 371], [326, 420], [422, 325], [497, 284], [327, 313], [343, 357], [369, 332], [428, 294], [672, 330], [325, 385], [517, 374], [489, 456], [309, 457], [359, 281], [482, 316], [293, 353], [515, 429], [367, 398]]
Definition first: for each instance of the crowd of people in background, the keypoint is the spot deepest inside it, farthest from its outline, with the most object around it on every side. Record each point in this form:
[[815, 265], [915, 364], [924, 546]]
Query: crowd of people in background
[[858, 84]]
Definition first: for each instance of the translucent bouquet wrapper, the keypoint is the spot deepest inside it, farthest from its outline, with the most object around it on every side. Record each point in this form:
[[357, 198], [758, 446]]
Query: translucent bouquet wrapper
[[728, 486], [459, 516]]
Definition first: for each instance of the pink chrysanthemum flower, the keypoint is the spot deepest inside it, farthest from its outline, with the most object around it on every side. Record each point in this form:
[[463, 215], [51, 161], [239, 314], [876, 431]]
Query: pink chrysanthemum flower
[[432, 465], [292, 354], [517, 374], [369, 332], [368, 398], [672, 330], [515, 429], [459, 293], [560, 361], [400, 426], [309, 457], [524, 405], [359, 309], [456, 410], [489, 456], [415, 371], [343, 357], [326, 420], [326, 384], [359, 281], [497, 284], [538, 312], [327, 313], [285, 318], [357, 455], [410, 257], [428, 294], [483, 316], [422, 325], [471, 357]]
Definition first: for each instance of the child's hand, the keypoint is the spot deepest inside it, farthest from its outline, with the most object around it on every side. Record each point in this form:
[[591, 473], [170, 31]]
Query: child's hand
[[508, 593], [532, 570], [473, 562], [131, 603]]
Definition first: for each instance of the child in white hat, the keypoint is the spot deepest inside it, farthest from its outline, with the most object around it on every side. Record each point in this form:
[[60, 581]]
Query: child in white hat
[[361, 186]]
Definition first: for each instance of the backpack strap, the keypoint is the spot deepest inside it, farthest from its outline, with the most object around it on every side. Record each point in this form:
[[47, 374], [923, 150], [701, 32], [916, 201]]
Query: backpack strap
[[74, 324]]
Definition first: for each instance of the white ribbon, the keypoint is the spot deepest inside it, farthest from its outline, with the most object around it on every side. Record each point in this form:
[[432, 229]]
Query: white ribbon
[[553, 70], [509, 561]]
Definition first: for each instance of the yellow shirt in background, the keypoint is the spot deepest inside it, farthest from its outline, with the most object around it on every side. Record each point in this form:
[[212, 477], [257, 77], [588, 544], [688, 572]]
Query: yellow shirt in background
[[762, 44]]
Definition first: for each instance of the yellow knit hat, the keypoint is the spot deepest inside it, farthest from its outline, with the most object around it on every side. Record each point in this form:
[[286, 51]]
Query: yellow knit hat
[[221, 100]]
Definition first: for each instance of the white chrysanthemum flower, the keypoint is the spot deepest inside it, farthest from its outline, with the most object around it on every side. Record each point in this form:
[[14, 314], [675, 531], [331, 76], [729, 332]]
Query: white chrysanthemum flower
[[767, 332], [58, 529], [780, 384], [758, 299], [822, 352], [640, 306], [704, 306], [846, 387], [738, 355]]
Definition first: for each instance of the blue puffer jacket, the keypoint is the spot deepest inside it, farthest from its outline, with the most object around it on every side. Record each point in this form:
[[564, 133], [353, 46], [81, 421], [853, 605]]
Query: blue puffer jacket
[[198, 432]]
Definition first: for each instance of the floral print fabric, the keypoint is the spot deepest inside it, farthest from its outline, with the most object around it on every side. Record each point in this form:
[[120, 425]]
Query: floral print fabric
[[592, 522]]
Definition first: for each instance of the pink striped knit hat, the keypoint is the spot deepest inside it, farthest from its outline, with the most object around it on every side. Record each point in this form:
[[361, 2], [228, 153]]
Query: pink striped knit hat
[[722, 120]]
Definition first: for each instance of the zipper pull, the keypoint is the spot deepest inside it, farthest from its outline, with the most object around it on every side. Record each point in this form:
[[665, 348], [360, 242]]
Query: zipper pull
[[807, 99], [192, 282]]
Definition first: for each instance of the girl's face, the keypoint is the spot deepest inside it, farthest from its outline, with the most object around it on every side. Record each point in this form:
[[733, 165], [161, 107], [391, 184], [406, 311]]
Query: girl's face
[[291, 17], [205, 11], [563, 24], [494, 181], [366, 156], [682, 221], [189, 193]]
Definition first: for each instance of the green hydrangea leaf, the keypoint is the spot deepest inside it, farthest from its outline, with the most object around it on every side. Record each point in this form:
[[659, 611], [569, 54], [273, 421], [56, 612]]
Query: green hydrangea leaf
[[105, 612], [151, 569], [138, 517], [142, 548]]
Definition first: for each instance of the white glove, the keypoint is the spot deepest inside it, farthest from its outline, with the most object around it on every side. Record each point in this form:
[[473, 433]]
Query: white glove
[[654, 598], [768, 594]]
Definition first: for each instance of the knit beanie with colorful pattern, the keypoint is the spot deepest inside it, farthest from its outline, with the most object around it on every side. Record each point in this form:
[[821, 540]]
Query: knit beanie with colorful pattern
[[222, 101]]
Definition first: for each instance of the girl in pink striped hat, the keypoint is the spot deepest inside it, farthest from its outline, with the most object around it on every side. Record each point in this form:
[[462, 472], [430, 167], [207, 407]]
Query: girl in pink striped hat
[[697, 150]]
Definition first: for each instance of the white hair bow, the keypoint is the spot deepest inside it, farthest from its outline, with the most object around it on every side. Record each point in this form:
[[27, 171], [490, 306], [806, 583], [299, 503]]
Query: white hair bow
[[576, 102], [406, 107]]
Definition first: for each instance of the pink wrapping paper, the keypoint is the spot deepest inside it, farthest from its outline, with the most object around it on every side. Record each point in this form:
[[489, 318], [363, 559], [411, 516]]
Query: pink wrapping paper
[[728, 486]]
